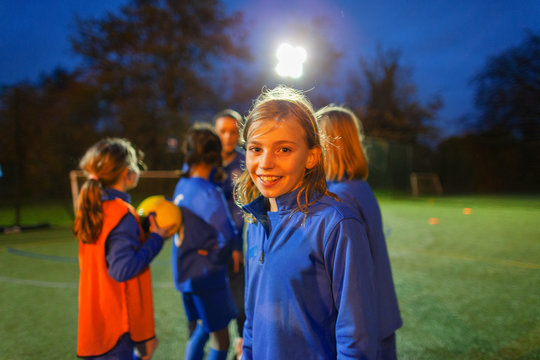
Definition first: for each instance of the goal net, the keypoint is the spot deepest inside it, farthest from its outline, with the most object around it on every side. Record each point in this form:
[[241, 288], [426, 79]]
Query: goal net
[[425, 184], [153, 182]]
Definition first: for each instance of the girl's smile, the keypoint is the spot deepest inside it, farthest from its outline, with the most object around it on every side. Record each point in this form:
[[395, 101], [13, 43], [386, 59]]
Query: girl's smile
[[277, 157]]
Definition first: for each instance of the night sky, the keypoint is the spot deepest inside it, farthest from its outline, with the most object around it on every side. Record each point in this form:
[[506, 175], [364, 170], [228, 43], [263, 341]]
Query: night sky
[[443, 42]]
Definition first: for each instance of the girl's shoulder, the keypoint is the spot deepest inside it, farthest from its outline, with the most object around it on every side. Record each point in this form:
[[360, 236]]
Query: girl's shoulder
[[197, 190], [349, 185], [197, 184], [330, 220], [332, 208]]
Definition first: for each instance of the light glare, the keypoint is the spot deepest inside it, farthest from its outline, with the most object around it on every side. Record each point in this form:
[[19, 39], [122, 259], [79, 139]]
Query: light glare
[[290, 60]]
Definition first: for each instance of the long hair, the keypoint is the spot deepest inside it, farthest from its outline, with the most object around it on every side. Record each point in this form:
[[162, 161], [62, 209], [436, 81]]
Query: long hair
[[345, 156], [103, 163], [280, 104]]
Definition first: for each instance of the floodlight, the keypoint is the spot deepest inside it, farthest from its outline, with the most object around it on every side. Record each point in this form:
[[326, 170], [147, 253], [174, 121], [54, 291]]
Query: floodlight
[[290, 60]]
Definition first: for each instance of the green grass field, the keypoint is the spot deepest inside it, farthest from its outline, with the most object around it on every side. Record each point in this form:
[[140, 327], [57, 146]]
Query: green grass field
[[468, 286]]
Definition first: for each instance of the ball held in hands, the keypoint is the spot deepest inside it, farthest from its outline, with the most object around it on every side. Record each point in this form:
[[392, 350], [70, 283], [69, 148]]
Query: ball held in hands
[[166, 212]]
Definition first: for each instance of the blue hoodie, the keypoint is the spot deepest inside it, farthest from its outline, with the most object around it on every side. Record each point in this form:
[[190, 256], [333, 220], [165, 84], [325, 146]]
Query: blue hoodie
[[359, 196], [309, 283], [208, 226]]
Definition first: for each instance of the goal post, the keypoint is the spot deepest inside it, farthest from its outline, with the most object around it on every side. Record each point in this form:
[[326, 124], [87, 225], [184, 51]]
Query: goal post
[[151, 182], [425, 184]]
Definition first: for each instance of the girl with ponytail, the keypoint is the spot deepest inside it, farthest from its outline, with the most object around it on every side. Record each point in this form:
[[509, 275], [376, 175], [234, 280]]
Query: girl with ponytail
[[116, 317]]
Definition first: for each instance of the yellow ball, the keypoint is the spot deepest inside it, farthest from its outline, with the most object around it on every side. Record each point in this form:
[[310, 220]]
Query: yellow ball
[[167, 213]]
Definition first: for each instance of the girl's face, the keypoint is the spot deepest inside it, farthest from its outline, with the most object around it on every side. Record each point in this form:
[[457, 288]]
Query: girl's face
[[227, 130], [132, 178], [277, 157]]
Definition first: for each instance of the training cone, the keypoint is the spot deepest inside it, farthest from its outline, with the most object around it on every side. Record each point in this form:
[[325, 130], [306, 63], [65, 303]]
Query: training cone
[[167, 213]]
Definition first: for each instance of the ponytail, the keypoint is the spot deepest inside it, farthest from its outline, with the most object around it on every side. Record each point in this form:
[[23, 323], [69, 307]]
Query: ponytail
[[89, 217]]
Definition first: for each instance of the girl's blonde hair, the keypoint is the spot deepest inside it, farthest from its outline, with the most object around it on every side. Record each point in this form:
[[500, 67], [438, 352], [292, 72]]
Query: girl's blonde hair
[[345, 157], [104, 163], [283, 104]]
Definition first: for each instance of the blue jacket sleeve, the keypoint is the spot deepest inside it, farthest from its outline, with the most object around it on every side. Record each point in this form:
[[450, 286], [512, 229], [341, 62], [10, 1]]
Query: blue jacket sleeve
[[349, 263], [247, 334], [125, 255]]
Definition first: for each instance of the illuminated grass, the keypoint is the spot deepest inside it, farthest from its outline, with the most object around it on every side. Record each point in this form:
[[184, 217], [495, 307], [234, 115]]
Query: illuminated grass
[[467, 286]]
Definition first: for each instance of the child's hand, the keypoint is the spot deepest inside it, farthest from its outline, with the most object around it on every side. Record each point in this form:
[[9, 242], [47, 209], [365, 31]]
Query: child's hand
[[165, 232]]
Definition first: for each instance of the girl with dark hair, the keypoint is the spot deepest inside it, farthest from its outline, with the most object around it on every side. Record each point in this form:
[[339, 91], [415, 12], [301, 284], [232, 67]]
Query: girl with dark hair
[[202, 250]]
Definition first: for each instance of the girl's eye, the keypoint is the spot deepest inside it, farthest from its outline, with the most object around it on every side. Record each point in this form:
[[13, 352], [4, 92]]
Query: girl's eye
[[254, 149], [285, 150]]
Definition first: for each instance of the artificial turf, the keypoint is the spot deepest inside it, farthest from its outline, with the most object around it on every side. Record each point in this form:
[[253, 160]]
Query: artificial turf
[[468, 284]]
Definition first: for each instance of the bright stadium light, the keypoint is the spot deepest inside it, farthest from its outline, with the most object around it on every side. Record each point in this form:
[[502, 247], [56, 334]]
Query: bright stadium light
[[290, 60]]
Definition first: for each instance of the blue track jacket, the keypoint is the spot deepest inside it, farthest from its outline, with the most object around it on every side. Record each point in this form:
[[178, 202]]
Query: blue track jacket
[[359, 196], [234, 169], [208, 226], [309, 283]]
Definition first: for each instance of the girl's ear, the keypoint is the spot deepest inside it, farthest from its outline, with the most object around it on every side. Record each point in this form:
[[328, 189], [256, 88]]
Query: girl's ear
[[121, 183], [314, 157]]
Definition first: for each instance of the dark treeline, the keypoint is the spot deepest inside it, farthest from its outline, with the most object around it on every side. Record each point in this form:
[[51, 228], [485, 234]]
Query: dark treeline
[[156, 66], [501, 151]]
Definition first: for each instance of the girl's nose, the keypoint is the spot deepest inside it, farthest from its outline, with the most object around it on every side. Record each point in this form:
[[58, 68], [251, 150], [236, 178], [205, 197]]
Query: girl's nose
[[267, 161]]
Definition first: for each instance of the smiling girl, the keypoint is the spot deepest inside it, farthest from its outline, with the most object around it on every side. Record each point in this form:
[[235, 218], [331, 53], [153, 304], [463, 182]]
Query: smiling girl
[[309, 279]]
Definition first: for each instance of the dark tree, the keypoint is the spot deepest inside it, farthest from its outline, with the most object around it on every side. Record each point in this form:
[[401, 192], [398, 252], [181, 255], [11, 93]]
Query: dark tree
[[387, 102], [508, 97], [17, 110], [154, 62], [508, 90], [45, 127]]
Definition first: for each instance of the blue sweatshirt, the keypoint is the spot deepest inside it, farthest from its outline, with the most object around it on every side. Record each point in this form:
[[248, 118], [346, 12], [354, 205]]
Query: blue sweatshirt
[[200, 261], [124, 253], [234, 170], [309, 283], [359, 196]]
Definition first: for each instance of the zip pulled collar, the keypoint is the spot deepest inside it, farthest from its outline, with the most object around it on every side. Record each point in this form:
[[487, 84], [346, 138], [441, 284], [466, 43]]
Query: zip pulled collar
[[111, 194], [286, 203]]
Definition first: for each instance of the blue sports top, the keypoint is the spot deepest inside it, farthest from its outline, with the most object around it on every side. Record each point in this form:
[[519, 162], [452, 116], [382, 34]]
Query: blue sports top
[[309, 283], [125, 255], [200, 261], [359, 196], [234, 169]]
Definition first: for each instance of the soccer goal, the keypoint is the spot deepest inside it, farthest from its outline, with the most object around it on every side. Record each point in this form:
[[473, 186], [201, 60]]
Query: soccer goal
[[152, 182], [425, 184]]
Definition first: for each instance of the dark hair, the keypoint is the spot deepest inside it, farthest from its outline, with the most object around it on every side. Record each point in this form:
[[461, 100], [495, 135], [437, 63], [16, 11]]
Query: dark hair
[[202, 145]]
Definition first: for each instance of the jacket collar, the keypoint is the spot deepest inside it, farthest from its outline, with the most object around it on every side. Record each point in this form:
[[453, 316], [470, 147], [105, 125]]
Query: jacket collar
[[286, 203], [111, 194]]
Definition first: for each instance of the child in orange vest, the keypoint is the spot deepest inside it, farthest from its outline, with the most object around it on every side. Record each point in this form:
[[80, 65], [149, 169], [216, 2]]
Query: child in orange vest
[[116, 315]]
